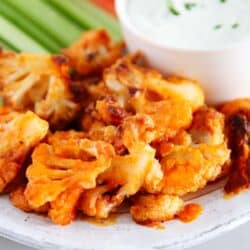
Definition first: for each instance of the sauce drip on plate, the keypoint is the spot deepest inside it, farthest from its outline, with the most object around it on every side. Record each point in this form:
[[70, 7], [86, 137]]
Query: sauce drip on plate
[[190, 212]]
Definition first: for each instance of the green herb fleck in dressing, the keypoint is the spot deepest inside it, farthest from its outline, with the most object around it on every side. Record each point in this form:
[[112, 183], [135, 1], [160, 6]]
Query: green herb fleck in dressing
[[189, 6], [172, 8]]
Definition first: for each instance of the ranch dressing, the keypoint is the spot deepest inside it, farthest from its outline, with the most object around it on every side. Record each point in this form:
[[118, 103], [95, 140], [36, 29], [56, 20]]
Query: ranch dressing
[[192, 24]]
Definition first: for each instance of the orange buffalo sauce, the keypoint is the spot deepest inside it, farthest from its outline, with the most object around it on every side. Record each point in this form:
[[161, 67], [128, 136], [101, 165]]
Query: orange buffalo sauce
[[190, 212]]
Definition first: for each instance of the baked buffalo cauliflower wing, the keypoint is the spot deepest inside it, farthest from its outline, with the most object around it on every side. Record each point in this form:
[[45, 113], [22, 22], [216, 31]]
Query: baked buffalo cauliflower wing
[[19, 133], [126, 176], [169, 103], [62, 170], [190, 167], [126, 79], [155, 208], [38, 83], [93, 52], [237, 114], [187, 169]]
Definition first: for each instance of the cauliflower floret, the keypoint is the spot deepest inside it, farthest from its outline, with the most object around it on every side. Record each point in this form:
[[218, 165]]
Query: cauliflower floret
[[126, 176], [189, 165], [38, 83], [131, 171], [125, 79], [237, 114], [146, 92], [61, 172], [19, 133], [187, 169], [155, 208], [93, 52]]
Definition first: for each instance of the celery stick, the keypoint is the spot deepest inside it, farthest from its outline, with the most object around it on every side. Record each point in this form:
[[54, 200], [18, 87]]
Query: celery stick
[[7, 46], [13, 35], [88, 16], [45, 17], [75, 13], [27, 26], [105, 19]]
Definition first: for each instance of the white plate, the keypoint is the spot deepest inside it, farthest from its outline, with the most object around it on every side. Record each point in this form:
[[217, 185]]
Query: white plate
[[219, 215]]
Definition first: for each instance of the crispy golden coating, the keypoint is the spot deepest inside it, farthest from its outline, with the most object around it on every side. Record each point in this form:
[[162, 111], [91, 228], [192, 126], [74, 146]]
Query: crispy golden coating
[[207, 127], [19, 133], [155, 208], [19, 200], [93, 52], [38, 83], [237, 114], [60, 172]]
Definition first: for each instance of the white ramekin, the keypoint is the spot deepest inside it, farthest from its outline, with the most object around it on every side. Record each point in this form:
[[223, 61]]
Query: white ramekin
[[223, 73]]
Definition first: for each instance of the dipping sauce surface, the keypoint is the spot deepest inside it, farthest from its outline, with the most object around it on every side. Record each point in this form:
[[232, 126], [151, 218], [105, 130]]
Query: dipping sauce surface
[[192, 24]]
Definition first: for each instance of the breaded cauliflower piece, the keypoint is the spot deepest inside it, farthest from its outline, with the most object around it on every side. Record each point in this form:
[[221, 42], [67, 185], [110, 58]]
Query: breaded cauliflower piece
[[126, 176], [142, 91], [93, 52], [150, 208], [19, 133], [126, 78], [61, 172], [134, 171], [38, 83], [239, 136], [237, 114], [189, 167]]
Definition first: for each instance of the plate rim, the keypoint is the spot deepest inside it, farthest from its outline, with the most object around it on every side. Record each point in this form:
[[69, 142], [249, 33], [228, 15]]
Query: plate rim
[[193, 240]]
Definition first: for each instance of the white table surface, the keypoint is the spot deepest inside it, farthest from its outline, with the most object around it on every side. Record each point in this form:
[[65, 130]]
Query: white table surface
[[238, 239]]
